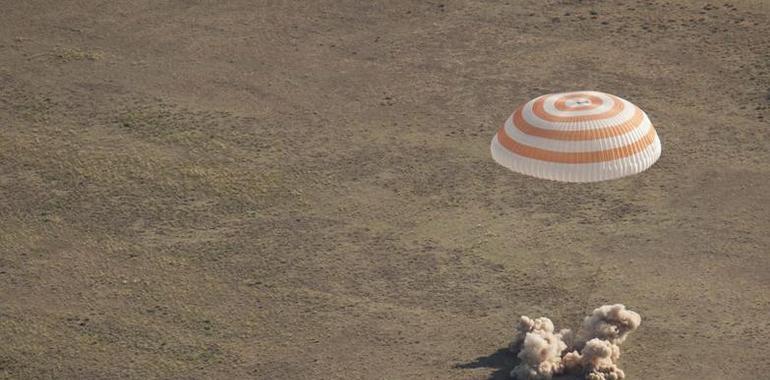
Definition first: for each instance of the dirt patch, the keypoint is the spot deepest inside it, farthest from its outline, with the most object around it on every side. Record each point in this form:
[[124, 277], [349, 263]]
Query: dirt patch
[[246, 189]]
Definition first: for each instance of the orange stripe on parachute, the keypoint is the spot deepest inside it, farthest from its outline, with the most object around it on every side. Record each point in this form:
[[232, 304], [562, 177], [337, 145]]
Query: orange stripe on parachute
[[586, 134], [575, 157]]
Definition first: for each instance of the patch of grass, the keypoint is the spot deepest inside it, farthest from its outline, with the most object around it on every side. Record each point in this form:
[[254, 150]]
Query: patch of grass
[[70, 55], [75, 54]]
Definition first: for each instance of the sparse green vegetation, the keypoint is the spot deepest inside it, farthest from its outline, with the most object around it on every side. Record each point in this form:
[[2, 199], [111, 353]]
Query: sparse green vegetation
[[74, 54], [304, 190]]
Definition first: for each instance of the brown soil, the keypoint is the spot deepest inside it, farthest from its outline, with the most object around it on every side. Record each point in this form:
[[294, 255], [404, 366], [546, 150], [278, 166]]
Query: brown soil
[[296, 190]]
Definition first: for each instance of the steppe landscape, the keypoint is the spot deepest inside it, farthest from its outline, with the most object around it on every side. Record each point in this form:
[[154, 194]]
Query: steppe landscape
[[194, 189]]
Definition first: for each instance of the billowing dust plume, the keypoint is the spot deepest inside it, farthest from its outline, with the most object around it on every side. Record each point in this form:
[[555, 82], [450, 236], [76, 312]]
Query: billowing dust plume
[[593, 353]]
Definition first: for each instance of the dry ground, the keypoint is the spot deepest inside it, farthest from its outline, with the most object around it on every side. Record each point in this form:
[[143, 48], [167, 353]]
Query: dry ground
[[295, 190]]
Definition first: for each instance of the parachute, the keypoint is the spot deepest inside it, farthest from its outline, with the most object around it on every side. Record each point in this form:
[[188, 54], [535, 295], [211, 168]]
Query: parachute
[[584, 136]]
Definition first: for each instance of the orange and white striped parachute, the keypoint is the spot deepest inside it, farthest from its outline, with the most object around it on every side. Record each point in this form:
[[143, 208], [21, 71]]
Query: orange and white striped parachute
[[584, 136]]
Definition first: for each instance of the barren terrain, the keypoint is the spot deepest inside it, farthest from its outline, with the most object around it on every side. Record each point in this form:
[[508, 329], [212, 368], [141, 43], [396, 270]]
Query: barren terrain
[[198, 189]]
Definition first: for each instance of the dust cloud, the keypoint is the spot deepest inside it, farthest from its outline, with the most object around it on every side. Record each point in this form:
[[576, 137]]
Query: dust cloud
[[592, 353]]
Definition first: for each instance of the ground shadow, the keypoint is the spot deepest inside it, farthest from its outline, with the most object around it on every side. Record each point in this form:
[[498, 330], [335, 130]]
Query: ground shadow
[[502, 360]]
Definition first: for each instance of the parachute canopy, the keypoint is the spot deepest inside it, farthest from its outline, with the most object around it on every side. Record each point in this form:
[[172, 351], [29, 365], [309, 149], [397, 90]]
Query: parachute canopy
[[584, 136]]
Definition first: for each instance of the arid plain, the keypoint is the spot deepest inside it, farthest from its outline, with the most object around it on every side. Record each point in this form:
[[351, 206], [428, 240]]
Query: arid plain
[[303, 189]]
